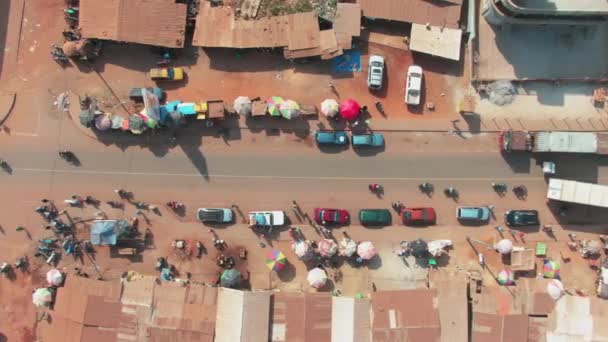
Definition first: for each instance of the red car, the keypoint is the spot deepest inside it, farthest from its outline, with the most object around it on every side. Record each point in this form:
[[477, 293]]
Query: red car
[[331, 216], [418, 216]]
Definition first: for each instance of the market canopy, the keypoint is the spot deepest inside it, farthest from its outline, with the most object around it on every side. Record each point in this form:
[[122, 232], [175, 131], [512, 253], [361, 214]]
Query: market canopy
[[289, 109], [302, 249], [276, 260], [504, 246], [230, 278], [242, 105], [327, 248], [350, 109], [42, 297], [273, 104], [366, 250], [419, 248], [317, 277], [505, 277], [555, 289], [107, 232], [348, 247], [330, 107], [551, 269], [54, 277], [103, 122]]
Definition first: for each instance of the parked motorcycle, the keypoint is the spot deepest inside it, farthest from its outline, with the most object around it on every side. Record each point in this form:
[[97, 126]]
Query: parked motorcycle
[[376, 188], [379, 107], [451, 192], [175, 205], [500, 188], [397, 206], [426, 187]]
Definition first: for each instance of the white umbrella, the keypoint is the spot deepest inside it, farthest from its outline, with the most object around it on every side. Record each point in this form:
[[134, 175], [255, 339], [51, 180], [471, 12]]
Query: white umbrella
[[504, 246], [366, 250], [317, 278], [555, 289], [330, 107], [348, 247], [242, 105], [54, 277], [302, 249], [42, 297], [327, 248]]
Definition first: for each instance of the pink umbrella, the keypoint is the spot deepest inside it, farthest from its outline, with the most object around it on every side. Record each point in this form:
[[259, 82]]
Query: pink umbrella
[[327, 248], [54, 277], [366, 250], [350, 109]]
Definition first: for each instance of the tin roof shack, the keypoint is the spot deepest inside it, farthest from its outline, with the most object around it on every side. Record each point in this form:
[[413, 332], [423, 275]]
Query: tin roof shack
[[301, 316], [435, 13], [452, 287], [350, 320], [578, 319], [242, 315], [152, 22], [497, 328], [405, 315]]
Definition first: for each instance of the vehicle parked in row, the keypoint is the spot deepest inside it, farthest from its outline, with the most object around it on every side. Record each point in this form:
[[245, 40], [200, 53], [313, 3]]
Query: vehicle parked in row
[[167, 74], [367, 140], [413, 85], [215, 215], [473, 214], [375, 72], [423, 216], [376, 217], [266, 218], [331, 216], [521, 218], [331, 138]]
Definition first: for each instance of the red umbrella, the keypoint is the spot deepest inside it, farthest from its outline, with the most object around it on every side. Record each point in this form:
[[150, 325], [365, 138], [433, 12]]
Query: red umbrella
[[350, 109]]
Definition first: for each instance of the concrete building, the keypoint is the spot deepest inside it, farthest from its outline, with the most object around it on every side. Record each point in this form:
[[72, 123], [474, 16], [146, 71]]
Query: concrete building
[[566, 12]]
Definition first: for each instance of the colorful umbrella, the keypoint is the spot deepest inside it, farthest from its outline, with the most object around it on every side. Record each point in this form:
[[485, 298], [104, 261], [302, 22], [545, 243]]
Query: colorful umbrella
[[276, 260], [350, 109], [505, 277], [302, 249], [317, 278], [366, 250], [242, 105], [330, 107], [54, 277], [348, 247], [327, 248], [230, 278], [504, 246], [289, 109], [551, 269], [42, 297], [273, 104], [102, 122], [555, 289]]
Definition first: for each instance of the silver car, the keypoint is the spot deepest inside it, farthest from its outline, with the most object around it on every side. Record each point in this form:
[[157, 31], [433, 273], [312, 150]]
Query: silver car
[[375, 72], [215, 215]]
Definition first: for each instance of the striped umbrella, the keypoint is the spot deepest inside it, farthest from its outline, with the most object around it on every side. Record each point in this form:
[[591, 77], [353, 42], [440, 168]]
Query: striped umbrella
[[551, 269], [327, 248], [276, 260], [505, 277], [289, 109], [273, 104]]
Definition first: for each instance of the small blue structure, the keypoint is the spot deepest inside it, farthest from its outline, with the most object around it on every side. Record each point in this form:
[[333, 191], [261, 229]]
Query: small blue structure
[[107, 232]]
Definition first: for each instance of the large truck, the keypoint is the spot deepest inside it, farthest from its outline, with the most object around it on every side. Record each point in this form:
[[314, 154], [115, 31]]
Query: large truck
[[578, 192], [564, 142]]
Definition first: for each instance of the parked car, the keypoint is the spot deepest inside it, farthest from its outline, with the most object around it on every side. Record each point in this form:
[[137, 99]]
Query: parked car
[[473, 214], [521, 218], [332, 138], [331, 216], [167, 74], [369, 139], [217, 215], [418, 216], [266, 218], [375, 72], [413, 85], [375, 217]]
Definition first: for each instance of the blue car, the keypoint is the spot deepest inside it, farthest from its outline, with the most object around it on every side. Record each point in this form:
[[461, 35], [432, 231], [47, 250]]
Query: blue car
[[370, 139], [332, 138]]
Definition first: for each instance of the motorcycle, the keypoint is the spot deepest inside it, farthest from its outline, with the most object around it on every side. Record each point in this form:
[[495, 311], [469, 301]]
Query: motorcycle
[[67, 155], [376, 188], [500, 187], [75, 201], [379, 107], [58, 55], [175, 205], [160, 263], [5, 269], [520, 191], [115, 204], [451, 192], [397, 206], [426, 187], [141, 205], [21, 263]]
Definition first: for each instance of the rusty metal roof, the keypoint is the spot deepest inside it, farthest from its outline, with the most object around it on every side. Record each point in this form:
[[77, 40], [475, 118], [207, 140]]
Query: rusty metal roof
[[452, 287], [242, 316], [87, 286], [497, 328], [441, 13], [301, 316], [153, 22], [155, 334], [393, 316]]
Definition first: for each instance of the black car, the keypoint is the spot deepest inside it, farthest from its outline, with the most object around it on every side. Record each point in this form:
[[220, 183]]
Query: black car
[[521, 218]]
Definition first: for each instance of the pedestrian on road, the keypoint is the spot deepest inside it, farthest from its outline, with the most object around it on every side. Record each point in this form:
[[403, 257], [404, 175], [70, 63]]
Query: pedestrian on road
[[44, 200], [20, 228], [500, 229]]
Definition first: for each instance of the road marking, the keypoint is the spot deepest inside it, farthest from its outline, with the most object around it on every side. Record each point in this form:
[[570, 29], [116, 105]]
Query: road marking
[[160, 174]]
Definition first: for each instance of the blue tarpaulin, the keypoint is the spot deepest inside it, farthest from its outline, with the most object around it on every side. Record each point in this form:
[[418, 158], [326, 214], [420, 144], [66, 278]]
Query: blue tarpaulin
[[106, 232], [186, 109], [350, 61]]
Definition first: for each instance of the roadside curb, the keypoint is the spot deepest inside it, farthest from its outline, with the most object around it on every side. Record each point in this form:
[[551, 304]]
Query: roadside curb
[[7, 103]]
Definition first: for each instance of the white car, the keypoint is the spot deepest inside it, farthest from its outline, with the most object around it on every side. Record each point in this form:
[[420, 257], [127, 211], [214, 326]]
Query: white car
[[375, 72], [216, 215], [266, 218], [413, 85]]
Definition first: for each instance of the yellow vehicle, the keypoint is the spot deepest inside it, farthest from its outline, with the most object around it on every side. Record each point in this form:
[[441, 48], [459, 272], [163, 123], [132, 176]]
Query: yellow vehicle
[[167, 74]]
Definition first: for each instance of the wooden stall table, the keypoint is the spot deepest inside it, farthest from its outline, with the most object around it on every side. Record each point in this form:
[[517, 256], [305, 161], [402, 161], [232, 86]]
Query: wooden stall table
[[258, 108], [308, 111], [216, 109]]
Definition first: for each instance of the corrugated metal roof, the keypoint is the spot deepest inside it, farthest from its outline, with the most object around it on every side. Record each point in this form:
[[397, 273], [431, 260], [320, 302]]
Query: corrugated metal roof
[[452, 287], [436, 41], [575, 142], [170, 335], [301, 316], [87, 286], [139, 291], [242, 316], [578, 192], [441, 13], [153, 22], [350, 320], [497, 328], [392, 315]]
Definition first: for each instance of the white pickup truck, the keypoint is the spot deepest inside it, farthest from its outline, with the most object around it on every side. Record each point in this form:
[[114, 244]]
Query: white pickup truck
[[266, 218]]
